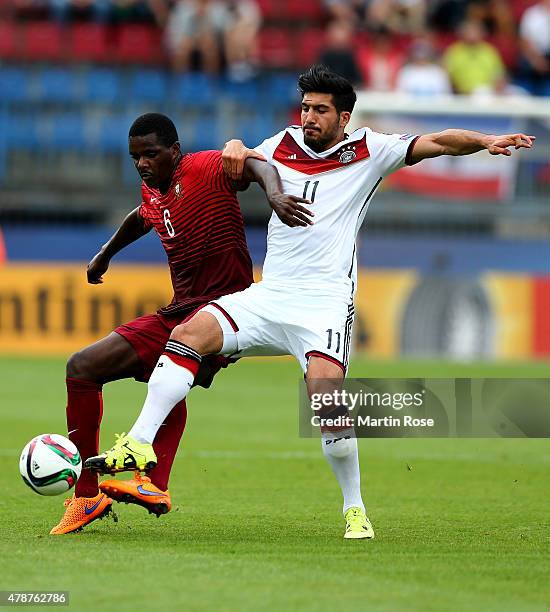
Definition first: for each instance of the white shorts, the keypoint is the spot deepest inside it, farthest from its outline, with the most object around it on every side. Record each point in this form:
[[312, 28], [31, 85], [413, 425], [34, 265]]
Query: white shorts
[[265, 321]]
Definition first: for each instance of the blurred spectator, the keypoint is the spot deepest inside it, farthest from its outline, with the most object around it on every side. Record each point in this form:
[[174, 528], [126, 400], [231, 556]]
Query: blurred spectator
[[131, 10], [535, 45], [422, 76], [404, 16], [198, 30], [102, 10], [240, 39], [194, 31], [339, 51], [496, 16], [354, 11], [472, 63], [30, 9], [379, 61], [443, 15]]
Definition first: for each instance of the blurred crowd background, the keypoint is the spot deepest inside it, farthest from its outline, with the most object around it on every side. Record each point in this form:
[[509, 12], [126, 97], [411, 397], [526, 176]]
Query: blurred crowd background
[[448, 45], [74, 74]]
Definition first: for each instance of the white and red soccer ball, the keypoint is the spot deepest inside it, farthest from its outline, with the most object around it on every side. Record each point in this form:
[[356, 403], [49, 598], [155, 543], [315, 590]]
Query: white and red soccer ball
[[50, 464]]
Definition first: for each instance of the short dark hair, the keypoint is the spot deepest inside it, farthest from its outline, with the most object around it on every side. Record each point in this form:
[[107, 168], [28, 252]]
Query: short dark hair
[[155, 123], [321, 79]]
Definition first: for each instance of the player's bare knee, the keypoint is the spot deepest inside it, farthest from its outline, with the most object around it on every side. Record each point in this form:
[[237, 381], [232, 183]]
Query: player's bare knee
[[79, 366], [186, 334], [202, 333], [320, 371]]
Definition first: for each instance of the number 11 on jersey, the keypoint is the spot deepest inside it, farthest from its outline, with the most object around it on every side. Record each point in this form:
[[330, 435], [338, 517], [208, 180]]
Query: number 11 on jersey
[[314, 185]]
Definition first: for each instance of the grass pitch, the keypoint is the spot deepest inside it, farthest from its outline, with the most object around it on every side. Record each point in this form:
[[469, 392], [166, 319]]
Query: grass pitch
[[460, 524]]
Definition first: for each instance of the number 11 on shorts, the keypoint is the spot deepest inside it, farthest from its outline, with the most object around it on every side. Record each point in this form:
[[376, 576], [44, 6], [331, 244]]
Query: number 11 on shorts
[[329, 343]]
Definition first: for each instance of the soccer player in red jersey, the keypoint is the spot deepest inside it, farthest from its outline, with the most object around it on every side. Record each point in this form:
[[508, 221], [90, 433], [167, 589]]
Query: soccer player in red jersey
[[192, 205]]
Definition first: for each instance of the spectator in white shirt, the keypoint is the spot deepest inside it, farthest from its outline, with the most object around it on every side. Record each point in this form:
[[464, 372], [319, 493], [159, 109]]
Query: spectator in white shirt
[[534, 33], [422, 76]]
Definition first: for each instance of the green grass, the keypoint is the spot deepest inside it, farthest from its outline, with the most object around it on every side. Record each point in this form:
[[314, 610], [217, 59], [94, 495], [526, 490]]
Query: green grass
[[460, 524]]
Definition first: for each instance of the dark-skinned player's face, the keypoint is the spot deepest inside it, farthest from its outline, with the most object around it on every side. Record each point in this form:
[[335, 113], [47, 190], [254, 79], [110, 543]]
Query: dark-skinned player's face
[[322, 125], [154, 161]]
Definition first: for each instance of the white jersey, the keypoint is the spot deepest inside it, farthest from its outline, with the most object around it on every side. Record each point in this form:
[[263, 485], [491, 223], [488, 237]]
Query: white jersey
[[340, 183]]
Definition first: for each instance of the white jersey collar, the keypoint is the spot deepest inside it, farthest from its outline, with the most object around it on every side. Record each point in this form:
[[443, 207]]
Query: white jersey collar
[[298, 136]]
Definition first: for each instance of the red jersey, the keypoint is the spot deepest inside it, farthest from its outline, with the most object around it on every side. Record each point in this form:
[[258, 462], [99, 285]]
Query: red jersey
[[200, 225]]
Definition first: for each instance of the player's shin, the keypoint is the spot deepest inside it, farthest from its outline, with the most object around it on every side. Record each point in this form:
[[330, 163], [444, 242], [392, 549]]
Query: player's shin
[[166, 445], [84, 412], [340, 449], [169, 384]]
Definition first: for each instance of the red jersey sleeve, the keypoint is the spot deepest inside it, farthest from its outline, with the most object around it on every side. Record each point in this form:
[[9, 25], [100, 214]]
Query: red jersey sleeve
[[144, 210], [208, 167]]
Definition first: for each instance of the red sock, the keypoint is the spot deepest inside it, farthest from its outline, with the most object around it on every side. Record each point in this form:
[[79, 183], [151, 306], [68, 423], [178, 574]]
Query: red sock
[[166, 444], [84, 412]]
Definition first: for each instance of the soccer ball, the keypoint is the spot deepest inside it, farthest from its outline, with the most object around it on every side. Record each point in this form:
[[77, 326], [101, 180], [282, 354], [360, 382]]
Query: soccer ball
[[50, 464]]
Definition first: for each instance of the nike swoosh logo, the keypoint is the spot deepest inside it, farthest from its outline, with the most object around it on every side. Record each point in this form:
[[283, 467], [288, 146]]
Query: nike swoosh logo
[[89, 510], [150, 493]]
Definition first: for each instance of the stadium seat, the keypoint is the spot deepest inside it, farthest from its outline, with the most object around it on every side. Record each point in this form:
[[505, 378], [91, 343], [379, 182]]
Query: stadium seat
[[14, 84], [138, 44], [9, 36], [42, 41], [112, 134], [275, 48], [88, 42], [309, 44], [254, 129], [23, 132], [310, 11], [206, 135], [271, 9], [245, 94], [102, 85], [68, 133], [148, 86], [196, 90], [281, 89], [56, 85]]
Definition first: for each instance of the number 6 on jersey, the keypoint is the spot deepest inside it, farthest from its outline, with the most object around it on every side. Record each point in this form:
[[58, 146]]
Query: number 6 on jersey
[[168, 224]]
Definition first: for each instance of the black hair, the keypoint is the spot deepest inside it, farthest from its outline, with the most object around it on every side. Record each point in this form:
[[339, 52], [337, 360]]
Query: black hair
[[321, 79], [155, 123]]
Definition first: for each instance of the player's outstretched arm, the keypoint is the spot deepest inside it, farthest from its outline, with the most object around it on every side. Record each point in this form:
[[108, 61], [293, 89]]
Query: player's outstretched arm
[[465, 142], [288, 208], [234, 155], [129, 231]]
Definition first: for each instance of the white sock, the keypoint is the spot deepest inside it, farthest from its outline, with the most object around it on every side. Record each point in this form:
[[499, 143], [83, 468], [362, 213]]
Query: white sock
[[168, 385], [340, 449]]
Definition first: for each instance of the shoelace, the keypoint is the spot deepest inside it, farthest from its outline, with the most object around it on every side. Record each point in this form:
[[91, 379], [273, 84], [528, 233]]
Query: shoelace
[[355, 518], [118, 439]]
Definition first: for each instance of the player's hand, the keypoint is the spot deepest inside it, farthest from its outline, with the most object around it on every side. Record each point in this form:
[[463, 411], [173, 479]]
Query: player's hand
[[290, 211], [97, 268], [498, 145], [234, 155]]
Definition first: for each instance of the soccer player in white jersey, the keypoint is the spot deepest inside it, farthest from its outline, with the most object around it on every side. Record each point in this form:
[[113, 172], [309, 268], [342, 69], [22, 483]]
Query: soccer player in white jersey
[[304, 304]]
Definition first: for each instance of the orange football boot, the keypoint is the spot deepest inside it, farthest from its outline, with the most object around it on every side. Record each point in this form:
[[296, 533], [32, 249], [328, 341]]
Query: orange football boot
[[81, 511], [138, 490]]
